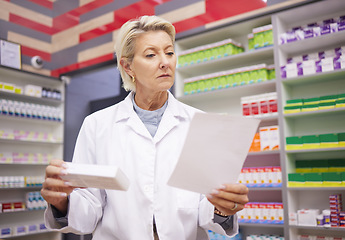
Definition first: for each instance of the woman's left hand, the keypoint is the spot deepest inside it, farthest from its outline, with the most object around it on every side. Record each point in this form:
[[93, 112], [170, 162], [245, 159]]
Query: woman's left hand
[[230, 198]]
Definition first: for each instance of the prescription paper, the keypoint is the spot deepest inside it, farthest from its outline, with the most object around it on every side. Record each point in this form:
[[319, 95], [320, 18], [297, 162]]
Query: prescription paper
[[214, 151]]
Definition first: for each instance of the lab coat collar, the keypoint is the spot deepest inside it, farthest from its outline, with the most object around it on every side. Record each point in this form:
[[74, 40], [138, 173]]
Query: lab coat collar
[[171, 117]]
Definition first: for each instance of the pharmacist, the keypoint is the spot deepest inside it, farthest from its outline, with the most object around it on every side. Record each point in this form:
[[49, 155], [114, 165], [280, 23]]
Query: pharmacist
[[143, 135]]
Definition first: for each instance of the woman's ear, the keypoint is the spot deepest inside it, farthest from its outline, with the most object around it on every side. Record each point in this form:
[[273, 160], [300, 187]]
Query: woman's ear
[[126, 66]]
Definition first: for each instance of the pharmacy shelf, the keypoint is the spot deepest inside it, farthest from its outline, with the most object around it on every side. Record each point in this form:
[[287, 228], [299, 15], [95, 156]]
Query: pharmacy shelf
[[22, 78], [264, 153], [261, 225], [314, 78], [335, 229], [220, 64], [315, 188], [21, 211], [265, 188], [23, 164], [26, 120], [28, 142], [333, 111], [311, 44], [28, 234], [31, 99], [231, 92], [315, 150], [19, 188]]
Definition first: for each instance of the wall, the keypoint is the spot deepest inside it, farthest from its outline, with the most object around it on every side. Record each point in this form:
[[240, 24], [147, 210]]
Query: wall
[[73, 34]]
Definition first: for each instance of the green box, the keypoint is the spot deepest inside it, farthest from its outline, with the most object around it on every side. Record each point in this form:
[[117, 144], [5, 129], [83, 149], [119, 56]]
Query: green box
[[294, 143], [328, 98], [341, 96], [292, 109], [311, 101], [311, 141], [327, 105], [336, 165], [294, 102], [313, 177], [333, 179], [296, 177], [319, 166], [340, 103], [341, 139], [310, 107], [303, 166], [329, 140]]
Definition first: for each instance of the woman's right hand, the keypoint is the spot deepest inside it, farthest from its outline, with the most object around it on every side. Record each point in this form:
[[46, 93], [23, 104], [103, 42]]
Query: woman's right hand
[[54, 189]]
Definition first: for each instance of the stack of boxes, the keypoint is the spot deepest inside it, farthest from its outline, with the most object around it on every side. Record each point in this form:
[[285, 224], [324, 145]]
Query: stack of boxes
[[318, 173], [315, 103], [337, 214], [267, 139], [208, 52], [231, 78], [262, 212], [260, 105], [260, 37], [268, 176], [312, 63], [328, 140], [311, 30]]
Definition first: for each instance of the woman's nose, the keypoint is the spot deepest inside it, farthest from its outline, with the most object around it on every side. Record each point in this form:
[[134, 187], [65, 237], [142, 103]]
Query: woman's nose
[[164, 62]]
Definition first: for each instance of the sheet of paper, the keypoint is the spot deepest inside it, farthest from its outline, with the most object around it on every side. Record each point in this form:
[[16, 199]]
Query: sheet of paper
[[96, 176], [214, 151]]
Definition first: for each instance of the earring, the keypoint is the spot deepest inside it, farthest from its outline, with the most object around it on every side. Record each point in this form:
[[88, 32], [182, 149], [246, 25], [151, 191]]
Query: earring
[[133, 79]]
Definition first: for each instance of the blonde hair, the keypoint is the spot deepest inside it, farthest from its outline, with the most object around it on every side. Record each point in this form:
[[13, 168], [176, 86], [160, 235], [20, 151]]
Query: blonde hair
[[125, 43]]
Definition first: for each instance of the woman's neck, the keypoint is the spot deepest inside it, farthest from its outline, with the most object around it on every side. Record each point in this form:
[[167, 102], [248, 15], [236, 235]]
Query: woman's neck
[[151, 102]]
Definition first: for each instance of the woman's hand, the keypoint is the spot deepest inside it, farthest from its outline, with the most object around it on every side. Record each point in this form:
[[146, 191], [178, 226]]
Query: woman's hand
[[55, 190], [230, 198]]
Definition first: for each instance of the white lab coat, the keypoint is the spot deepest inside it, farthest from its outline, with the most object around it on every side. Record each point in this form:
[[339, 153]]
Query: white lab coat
[[116, 136]]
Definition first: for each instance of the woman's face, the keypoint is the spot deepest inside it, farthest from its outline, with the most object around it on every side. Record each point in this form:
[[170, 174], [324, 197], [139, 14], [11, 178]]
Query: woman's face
[[154, 62]]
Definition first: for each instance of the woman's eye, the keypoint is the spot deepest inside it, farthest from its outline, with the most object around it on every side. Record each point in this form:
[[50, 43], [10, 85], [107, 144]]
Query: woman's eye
[[150, 55], [170, 53]]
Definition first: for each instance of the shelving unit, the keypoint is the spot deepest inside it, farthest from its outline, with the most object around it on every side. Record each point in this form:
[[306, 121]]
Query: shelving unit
[[315, 122], [227, 100], [31, 146]]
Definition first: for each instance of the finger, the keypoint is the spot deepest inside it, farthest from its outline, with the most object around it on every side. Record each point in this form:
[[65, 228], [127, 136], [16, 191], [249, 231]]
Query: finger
[[235, 188], [54, 195], [226, 207], [229, 196], [58, 163], [54, 183], [53, 171]]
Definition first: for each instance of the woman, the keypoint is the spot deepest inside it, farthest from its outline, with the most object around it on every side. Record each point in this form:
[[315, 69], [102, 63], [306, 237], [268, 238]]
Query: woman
[[143, 135]]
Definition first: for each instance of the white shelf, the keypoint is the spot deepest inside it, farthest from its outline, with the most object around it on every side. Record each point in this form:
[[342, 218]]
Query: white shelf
[[333, 111], [316, 188], [26, 120], [231, 92], [31, 99], [28, 142], [264, 153], [335, 229], [315, 150], [18, 188], [261, 225]]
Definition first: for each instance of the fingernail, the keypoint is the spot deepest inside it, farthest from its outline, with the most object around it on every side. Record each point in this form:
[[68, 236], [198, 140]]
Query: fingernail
[[63, 194], [68, 184], [222, 186], [64, 165], [63, 172], [214, 192]]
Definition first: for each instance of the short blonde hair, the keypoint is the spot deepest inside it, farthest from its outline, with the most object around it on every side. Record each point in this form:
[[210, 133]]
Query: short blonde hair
[[125, 43]]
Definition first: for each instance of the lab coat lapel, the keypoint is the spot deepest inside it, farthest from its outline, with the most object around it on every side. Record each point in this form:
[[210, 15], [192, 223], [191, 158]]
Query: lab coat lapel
[[127, 113]]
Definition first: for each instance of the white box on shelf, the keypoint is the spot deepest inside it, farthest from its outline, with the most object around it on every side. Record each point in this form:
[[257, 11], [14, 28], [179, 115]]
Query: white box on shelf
[[307, 217]]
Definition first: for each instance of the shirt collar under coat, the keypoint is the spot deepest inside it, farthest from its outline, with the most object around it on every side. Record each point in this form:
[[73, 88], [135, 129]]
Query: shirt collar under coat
[[173, 114]]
